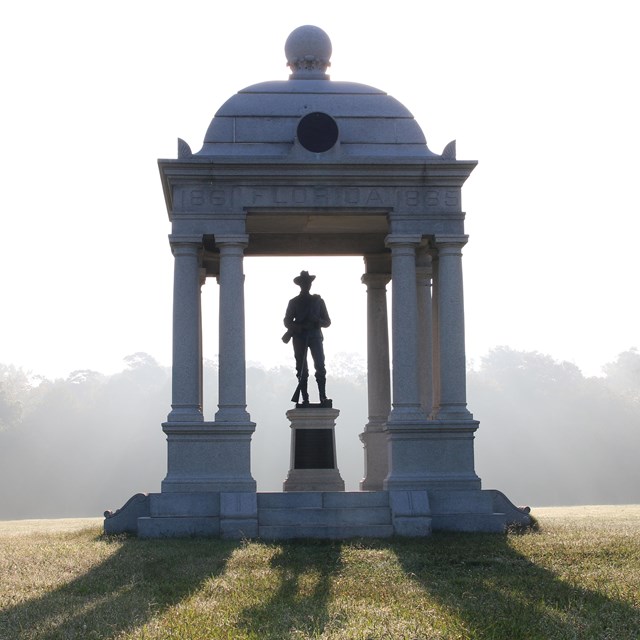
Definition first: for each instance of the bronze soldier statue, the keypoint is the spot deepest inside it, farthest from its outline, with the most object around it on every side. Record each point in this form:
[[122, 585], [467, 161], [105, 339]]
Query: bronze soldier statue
[[305, 318]]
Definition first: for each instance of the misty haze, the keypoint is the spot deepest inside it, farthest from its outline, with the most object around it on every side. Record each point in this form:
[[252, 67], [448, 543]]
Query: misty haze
[[548, 435]]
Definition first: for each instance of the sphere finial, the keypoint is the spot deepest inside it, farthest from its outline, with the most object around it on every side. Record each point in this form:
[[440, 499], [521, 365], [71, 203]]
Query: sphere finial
[[308, 51]]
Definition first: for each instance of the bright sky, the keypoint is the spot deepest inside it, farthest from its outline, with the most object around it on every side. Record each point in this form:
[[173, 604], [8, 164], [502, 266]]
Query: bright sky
[[544, 95]]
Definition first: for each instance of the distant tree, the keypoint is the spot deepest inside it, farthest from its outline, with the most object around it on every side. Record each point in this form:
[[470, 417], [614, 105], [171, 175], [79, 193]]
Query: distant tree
[[14, 387], [548, 435], [623, 375], [85, 443]]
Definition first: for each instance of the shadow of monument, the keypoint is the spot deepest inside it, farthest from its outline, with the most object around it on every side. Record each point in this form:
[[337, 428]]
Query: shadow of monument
[[496, 592], [481, 582], [135, 584], [298, 604]]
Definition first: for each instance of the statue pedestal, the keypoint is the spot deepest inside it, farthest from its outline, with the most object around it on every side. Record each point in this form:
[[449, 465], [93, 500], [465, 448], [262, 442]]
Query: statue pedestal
[[313, 450]]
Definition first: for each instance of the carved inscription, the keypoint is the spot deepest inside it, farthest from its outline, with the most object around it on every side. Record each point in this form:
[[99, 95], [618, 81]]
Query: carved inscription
[[428, 198], [319, 196], [205, 198], [226, 199]]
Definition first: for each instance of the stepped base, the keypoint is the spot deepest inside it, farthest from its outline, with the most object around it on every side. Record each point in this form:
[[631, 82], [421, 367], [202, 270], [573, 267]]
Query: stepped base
[[315, 514], [185, 527], [279, 532]]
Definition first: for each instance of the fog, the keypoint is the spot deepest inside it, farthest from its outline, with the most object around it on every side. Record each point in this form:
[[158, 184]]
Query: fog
[[548, 434]]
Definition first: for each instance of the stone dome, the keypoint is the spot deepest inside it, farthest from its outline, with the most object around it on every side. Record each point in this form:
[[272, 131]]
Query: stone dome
[[310, 118]]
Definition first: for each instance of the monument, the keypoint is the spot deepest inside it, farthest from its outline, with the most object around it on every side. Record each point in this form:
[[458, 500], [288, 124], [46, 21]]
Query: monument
[[313, 442], [310, 166]]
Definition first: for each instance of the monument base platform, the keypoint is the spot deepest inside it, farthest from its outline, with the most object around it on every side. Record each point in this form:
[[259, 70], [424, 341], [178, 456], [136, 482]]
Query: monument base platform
[[315, 514]]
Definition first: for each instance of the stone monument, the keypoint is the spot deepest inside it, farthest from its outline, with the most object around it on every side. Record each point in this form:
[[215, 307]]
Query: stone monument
[[313, 441], [310, 166]]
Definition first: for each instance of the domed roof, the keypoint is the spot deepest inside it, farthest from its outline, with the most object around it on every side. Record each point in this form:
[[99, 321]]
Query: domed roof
[[310, 117]]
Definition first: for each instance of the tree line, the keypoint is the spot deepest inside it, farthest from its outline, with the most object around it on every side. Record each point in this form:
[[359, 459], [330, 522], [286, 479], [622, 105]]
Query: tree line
[[548, 435]]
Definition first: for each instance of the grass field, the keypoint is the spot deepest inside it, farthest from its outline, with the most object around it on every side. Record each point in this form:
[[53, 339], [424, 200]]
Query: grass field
[[578, 577]]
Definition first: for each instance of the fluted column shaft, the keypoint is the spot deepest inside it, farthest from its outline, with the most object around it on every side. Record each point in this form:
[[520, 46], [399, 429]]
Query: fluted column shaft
[[232, 366], [186, 394], [452, 364]]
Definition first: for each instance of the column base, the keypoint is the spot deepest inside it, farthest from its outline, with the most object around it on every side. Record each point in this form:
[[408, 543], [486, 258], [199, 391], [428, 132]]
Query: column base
[[199, 484], [376, 458], [208, 456], [401, 415], [232, 415], [432, 455], [184, 414], [451, 413]]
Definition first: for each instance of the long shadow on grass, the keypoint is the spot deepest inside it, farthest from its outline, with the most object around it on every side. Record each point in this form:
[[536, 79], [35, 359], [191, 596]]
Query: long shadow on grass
[[297, 606], [136, 583], [496, 592]]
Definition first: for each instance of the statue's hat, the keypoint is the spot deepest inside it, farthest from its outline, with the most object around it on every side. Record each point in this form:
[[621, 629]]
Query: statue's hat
[[303, 277]]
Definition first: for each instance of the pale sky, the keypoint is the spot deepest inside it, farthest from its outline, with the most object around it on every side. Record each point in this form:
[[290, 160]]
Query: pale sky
[[544, 95]]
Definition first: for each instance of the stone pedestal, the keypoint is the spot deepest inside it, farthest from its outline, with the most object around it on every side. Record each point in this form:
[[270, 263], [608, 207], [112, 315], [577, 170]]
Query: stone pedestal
[[313, 451], [208, 456], [434, 455]]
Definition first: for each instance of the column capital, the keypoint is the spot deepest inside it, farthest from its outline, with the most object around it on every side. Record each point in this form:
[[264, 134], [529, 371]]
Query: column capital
[[175, 239], [454, 242], [236, 240], [377, 262], [185, 245], [375, 280], [403, 240]]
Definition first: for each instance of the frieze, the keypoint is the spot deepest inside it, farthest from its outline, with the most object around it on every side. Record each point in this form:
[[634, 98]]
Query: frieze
[[227, 199]]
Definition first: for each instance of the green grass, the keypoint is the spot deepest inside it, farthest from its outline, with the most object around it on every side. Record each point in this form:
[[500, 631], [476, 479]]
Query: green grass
[[578, 577]]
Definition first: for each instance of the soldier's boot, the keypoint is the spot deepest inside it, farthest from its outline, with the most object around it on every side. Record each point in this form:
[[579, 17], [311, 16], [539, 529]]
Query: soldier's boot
[[304, 392], [324, 401]]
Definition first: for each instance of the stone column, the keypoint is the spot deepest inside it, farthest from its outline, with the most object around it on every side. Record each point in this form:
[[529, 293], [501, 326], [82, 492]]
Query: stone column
[[232, 391], [186, 396], [407, 423], [452, 403], [406, 395], [206, 457], [203, 280], [425, 329], [435, 336], [378, 382]]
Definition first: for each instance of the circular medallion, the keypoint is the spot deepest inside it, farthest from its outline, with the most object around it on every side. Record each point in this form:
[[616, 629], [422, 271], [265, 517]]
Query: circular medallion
[[317, 132]]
